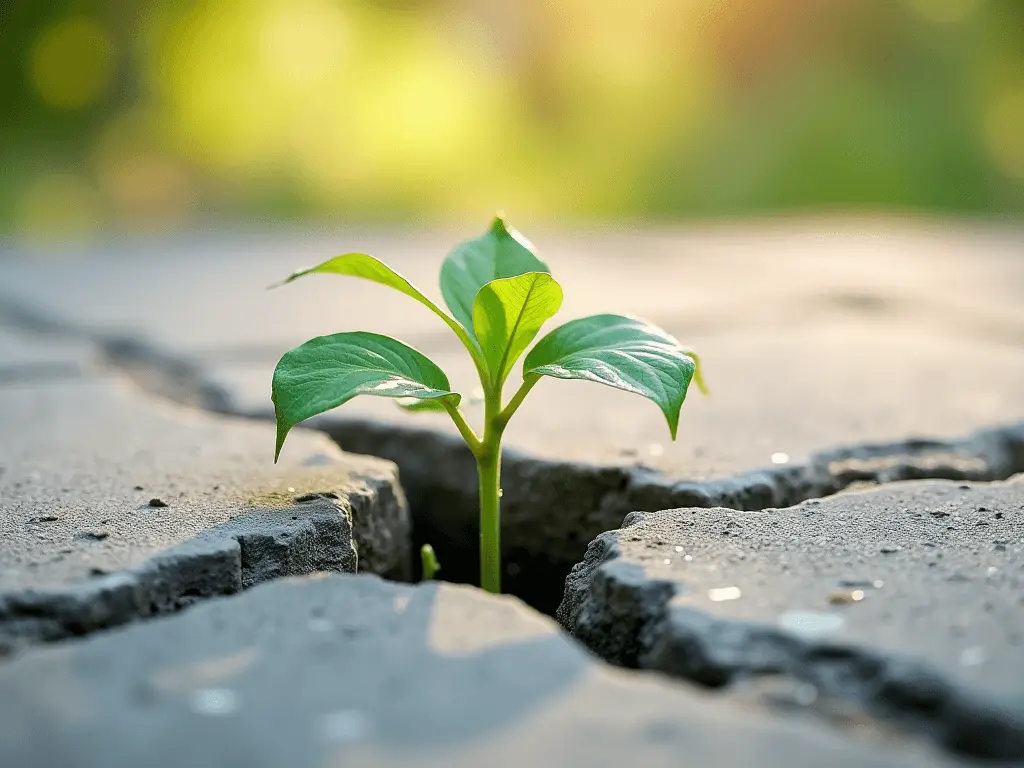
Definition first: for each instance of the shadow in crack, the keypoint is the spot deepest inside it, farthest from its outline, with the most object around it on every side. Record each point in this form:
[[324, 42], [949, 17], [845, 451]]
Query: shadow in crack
[[289, 673]]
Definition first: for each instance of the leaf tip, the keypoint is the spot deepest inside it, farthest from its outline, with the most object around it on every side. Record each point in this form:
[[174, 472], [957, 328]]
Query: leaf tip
[[282, 433], [498, 225]]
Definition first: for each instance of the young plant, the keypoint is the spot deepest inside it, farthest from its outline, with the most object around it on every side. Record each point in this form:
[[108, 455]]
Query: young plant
[[499, 294], [428, 560]]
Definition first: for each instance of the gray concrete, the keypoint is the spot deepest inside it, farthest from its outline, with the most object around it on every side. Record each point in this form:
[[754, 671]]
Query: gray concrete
[[833, 327], [353, 671], [116, 504], [837, 360], [830, 347], [24, 361], [905, 601]]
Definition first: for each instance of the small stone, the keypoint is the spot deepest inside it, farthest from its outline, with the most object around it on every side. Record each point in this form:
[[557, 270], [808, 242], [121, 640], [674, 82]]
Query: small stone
[[780, 458], [889, 549], [44, 519], [846, 596], [139, 488], [92, 535], [155, 502]]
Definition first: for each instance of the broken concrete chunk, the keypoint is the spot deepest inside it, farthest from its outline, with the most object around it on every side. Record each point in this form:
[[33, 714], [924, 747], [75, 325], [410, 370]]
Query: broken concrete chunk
[[355, 671], [226, 520], [929, 635]]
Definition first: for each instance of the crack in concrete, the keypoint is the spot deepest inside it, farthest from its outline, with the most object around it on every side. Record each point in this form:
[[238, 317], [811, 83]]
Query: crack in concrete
[[438, 477]]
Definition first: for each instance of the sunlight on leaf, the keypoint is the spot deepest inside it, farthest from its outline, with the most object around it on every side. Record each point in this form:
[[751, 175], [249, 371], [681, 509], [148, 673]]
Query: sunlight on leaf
[[328, 371], [507, 315], [621, 352], [499, 253]]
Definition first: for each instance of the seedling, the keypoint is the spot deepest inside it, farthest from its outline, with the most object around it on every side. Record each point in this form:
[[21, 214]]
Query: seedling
[[499, 294], [429, 562]]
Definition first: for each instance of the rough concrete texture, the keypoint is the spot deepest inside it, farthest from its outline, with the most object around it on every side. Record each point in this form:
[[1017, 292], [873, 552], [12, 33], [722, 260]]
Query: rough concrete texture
[[905, 602], [813, 335], [353, 671], [116, 505]]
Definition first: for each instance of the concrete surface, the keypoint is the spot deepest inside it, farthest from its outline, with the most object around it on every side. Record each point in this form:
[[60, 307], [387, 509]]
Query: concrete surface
[[906, 601], [116, 504], [832, 347], [833, 327], [841, 355], [353, 671]]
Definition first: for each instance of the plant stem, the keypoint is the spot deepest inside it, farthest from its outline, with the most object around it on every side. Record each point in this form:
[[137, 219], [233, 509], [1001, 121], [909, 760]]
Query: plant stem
[[488, 465], [463, 426], [489, 473], [517, 399]]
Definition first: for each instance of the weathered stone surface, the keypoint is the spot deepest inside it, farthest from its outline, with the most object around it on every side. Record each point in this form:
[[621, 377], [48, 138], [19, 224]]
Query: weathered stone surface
[[116, 504], [905, 602], [353, 671], [866, 335]]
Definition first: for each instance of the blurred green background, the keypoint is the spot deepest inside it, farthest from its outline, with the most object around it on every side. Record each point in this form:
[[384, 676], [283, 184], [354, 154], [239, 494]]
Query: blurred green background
[[152, 114]]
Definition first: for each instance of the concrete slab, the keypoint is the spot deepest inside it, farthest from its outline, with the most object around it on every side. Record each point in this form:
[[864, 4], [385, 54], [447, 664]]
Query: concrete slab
[[353, 671], [116, 504], [833, 348], [905, 601], [852, 332]]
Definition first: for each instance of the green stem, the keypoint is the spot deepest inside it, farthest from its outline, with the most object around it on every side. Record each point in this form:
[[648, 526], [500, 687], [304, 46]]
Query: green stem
[[517, 399], [489, 472], [488, 465], [463, 426]]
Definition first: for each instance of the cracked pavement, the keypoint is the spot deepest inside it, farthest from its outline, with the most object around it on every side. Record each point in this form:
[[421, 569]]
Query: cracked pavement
[[838, 361]]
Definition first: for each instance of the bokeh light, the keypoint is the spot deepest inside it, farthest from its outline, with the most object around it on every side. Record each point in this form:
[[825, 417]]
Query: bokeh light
[[72, 63], [172, 111], [1004, 127]]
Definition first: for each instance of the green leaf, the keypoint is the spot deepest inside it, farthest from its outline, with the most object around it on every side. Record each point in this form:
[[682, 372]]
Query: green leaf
[[507, 315], [328, 371], [621, 352], [367, 267], [414, 405], [498, 253]]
